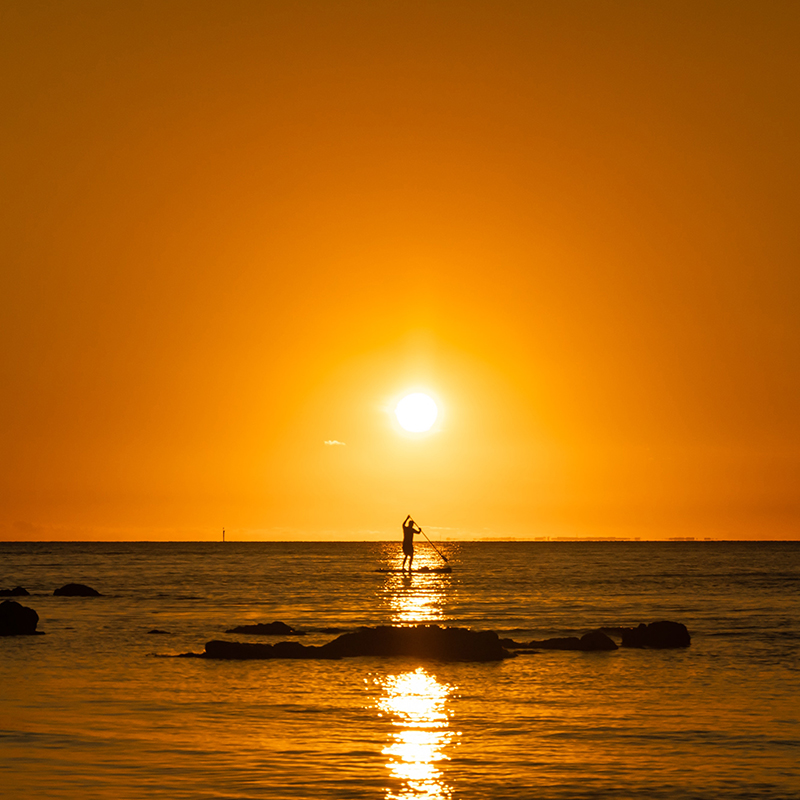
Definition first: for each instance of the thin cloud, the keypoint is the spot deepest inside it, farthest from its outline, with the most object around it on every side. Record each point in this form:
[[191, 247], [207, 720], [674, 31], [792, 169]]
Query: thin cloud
[[333, 441]]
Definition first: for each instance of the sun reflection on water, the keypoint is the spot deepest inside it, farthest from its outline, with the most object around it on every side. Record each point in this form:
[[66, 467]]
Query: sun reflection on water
[[418, 598], [417, 604], [416, 702]]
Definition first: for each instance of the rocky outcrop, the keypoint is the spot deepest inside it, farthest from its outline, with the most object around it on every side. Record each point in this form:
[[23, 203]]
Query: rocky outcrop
[[422, 641], [441, 644], [661, 635], [419, 641], [241, 651], [597, 640], [17, 591], [589, 642], [266, 629], [159, 632], [17, 620], [76, 590], [558, 643]]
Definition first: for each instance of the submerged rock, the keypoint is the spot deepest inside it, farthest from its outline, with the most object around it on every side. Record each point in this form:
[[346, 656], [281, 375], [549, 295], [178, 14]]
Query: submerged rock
[[267, 629], [589, 642], [557, 643], [17, 591], [157, 631], [597, 640], [17, 620], [611, 631], [76, 590], [241, 651], [424, 641], [442, 644], [419, 641], [661, 635]]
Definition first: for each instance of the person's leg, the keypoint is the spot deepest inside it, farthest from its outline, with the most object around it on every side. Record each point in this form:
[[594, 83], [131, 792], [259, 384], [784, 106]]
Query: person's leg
[[410, 560]]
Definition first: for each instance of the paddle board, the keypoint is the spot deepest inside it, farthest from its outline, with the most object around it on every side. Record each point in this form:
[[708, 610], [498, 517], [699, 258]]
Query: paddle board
[[421, 570]]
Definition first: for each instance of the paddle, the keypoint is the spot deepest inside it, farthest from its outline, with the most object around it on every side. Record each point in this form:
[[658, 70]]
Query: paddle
[[430, 542]]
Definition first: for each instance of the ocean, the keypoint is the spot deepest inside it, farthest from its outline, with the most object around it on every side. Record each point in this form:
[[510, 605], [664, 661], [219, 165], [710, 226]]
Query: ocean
[[96, 708]]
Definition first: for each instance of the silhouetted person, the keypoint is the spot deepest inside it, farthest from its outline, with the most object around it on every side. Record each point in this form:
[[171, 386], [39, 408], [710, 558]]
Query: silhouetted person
[[409, 529]]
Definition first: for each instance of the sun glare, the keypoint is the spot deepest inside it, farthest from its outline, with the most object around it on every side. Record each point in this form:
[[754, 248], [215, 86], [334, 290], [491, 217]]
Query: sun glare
[[416, 412], [416, 703]]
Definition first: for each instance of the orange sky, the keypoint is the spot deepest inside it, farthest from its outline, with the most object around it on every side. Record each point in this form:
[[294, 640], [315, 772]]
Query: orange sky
[[231, 232]]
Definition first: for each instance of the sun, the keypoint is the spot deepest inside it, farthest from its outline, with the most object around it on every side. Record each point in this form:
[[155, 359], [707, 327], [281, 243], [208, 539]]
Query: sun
[[416, 412]]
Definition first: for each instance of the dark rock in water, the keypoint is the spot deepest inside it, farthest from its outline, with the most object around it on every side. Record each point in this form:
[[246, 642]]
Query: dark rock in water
[[443, 644], [76, 590], [420, 641], [242, 651], [156, 630], [237, 650], [17, 620], [17, 591], [560, 643], [662, 634], [589, 642], [292, 650], [267, 629], [597, 640], [608, 631]]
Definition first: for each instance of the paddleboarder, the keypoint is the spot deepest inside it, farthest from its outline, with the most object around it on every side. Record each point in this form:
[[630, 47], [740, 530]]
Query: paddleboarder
[[409, 529]]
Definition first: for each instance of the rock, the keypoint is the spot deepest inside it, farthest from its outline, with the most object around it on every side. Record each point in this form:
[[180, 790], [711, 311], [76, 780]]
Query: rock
[[293, 650], [613, 631], [442, 644], [561, 643], [267, 629], [419, 641], [589, 642], [662, 634], [76, 590], [17, 620], [597, 640], [242, 651], [422, 641], [156, 630], [17, 591], [237, 650]]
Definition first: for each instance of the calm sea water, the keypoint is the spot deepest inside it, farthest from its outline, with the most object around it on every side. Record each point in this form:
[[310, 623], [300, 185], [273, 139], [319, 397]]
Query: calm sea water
[[90, 710]]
